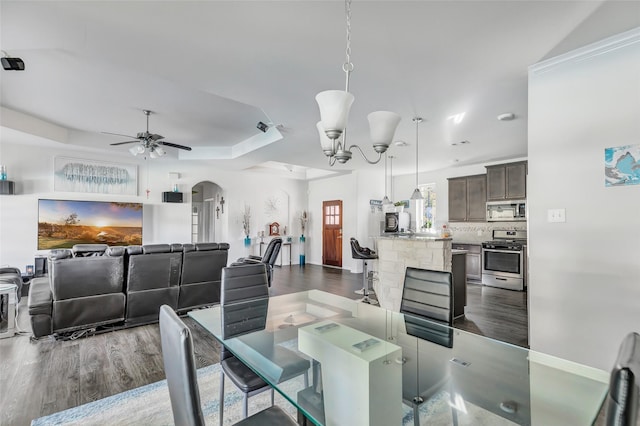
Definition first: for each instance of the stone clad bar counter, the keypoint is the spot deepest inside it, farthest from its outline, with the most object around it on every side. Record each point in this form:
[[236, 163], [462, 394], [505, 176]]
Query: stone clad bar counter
[[395, 253]]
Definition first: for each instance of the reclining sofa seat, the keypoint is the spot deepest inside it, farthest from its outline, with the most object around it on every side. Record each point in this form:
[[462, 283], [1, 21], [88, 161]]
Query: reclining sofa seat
[[80, 292], [202, 265], [153, 279]]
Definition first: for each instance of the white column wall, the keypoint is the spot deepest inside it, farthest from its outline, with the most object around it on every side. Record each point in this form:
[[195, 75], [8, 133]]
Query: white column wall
[[586, 271]]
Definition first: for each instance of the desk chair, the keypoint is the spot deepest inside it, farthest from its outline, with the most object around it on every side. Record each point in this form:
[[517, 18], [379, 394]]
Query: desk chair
[[622, 401], [244, 295], [427, 302], [268, 258], [182, 381], [364, 254]]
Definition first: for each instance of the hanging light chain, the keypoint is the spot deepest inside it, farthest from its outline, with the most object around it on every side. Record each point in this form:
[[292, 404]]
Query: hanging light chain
[[417, 120], [347, 67]]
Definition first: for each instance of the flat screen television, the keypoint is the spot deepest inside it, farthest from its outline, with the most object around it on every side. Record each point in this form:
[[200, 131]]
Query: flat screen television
[[63, 223]]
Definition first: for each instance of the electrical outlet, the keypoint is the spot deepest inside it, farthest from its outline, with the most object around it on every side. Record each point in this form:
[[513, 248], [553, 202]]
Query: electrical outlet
[[556, 215]]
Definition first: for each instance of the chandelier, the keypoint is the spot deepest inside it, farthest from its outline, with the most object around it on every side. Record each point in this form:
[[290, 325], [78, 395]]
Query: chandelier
[[334, 113]]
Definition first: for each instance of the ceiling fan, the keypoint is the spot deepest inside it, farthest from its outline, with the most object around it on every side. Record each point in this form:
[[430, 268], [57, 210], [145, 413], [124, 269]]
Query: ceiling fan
[[148, 141]]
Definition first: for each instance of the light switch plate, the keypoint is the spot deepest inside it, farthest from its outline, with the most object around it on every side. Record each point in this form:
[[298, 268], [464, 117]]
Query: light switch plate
[[556, 215]]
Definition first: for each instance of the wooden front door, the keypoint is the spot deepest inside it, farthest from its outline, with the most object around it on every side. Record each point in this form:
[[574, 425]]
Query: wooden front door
[[332, 233]]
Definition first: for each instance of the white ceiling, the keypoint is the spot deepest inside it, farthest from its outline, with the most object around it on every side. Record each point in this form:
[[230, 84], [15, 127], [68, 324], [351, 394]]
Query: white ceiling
[[210, 70]]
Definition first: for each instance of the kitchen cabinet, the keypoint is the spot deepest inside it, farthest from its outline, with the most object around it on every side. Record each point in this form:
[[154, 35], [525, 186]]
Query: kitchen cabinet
[[467, 199], [474, 260], [507, 181]]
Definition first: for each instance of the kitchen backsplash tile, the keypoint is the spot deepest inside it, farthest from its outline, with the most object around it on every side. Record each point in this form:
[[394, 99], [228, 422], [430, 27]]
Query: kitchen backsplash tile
[[477, 232]]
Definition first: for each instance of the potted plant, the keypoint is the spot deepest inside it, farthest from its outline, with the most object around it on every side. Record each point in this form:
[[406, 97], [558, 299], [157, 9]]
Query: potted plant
[[304, 218], [246, 225]]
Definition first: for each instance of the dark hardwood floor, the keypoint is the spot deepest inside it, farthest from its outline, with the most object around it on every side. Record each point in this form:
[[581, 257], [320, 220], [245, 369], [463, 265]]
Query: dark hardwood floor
[[46, 376]]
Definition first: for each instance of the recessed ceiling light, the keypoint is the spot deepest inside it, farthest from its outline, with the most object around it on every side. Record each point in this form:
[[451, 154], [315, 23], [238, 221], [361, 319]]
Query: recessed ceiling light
[[401, 143], [507, 116]]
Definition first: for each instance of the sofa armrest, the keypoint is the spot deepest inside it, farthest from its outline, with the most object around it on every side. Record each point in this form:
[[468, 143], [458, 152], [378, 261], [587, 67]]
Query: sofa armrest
[[40, 297]]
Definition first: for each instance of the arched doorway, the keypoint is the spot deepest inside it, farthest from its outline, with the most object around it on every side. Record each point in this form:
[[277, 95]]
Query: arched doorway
[[207, 206]]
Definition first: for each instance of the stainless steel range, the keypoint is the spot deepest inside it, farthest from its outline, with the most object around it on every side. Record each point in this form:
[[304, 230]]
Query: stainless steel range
[[504, 260]]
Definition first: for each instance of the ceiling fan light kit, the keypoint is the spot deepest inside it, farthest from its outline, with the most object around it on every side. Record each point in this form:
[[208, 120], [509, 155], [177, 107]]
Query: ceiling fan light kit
[[148, 142], [334, 108]]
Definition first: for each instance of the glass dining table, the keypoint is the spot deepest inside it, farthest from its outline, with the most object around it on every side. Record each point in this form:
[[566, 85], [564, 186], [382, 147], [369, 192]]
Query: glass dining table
[[372, 366]]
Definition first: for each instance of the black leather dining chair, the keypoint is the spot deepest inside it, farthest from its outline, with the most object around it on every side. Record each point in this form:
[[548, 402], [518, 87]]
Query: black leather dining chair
[[623, 399], [182, 381], [243, 301], [427, 302], [268, 258]]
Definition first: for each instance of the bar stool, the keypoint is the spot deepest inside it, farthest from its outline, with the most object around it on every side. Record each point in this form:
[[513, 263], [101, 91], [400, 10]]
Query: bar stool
[[364, 254]]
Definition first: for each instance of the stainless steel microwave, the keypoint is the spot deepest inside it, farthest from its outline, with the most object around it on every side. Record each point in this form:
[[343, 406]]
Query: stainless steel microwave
[[506, 211]]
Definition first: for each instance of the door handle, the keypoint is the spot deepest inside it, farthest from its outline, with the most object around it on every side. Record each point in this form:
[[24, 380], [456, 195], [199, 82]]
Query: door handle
[[501, 279]]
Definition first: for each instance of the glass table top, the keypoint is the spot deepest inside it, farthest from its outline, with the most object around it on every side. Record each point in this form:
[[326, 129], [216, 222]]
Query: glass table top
[[371, 366]]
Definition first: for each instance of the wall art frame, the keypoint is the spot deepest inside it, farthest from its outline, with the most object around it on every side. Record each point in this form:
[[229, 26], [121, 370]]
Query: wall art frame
[[622, 165], [79, 175]]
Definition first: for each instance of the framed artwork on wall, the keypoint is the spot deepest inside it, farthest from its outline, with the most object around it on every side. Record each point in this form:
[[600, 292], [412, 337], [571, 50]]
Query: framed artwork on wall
[[622, 165], [77, 175]]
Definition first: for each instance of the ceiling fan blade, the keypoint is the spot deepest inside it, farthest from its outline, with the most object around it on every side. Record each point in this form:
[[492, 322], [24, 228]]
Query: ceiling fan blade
[[174, 145], [117, 134], [122, 143]]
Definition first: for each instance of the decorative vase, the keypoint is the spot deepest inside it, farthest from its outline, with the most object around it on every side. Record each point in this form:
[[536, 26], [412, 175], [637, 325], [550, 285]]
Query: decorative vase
[[247, 241], [302, 257]]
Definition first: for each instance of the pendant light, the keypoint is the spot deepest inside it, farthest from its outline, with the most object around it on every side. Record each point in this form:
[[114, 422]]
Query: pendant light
[[417, 195], [417, 200], [385, 201], [334, 114]]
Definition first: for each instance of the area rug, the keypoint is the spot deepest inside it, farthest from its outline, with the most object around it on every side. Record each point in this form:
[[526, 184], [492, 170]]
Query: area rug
[[150, 405]]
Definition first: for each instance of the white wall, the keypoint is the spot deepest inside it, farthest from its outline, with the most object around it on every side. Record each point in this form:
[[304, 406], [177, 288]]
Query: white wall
[[586, 271], [31, 167]]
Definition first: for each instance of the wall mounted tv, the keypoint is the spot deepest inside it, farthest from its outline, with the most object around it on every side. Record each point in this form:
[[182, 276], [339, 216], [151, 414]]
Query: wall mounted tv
[[63, 223]]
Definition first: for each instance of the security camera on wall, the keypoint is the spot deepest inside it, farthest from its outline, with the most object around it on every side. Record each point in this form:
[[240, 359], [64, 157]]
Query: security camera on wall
[[12, 64]]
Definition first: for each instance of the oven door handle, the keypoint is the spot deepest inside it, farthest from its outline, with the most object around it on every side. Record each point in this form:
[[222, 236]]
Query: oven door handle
[[501, 251]]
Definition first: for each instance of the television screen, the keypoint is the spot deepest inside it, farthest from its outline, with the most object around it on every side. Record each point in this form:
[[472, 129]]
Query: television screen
[[63, 223]]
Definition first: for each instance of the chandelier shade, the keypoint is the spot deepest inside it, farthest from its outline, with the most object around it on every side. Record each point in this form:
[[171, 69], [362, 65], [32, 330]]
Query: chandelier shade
[[334, 111], [325, 142], [382, 127], [135, 150]]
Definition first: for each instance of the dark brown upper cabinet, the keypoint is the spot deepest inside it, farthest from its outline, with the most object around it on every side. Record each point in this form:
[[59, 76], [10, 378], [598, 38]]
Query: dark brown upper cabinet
[[468, 198], [507, 181]]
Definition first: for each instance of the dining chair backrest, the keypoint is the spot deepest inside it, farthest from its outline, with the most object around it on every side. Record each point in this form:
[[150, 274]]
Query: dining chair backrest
[[244, 301], [622, 401], [428, 294], [272, 250], [180, 369], [242, 283]]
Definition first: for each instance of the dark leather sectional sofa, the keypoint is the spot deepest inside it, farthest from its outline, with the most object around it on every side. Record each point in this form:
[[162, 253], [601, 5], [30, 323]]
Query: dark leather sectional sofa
[[93, 285]]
